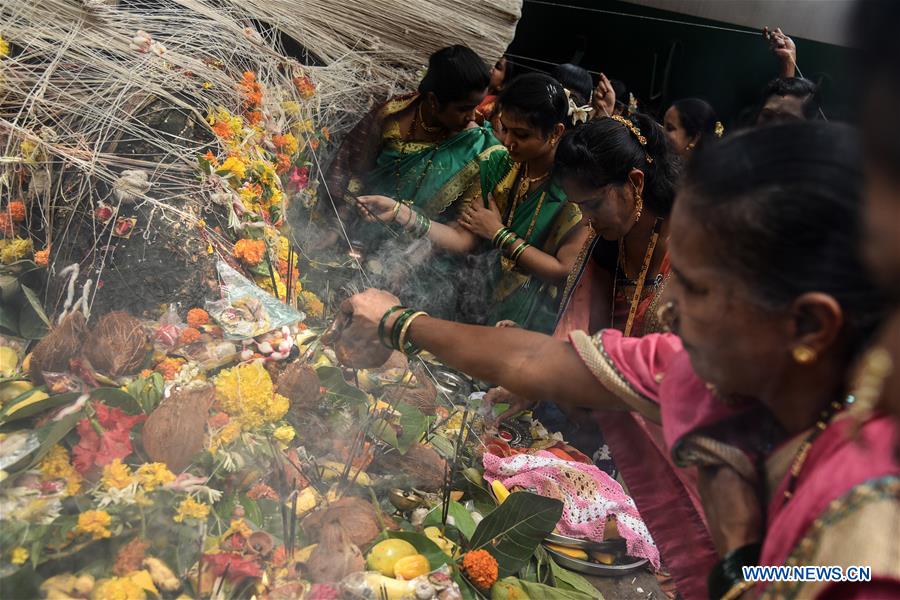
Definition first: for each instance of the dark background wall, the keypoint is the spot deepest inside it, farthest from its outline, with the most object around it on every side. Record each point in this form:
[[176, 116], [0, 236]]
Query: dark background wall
[[663, 61]]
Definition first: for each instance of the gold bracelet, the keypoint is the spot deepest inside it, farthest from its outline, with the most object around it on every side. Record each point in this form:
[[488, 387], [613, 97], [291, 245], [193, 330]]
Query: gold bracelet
[[401, 339], [395, 212], [738, 589]]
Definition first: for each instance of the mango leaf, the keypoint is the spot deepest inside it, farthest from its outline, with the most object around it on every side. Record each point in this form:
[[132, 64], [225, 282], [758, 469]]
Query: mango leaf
[[570, 580], [38, 406], [420, 542], [412, 423], [332, 379], [35, 303], [514, 529], [9, 320], [462, 519], [31, 327], [119, 399], [385, 432], [510, 588]]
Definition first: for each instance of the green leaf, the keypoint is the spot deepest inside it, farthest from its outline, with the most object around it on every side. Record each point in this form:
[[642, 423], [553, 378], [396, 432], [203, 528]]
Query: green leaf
[[118, 398], [31, 327], [462, 519], [332, 379], [252, 510], [566, 579], [51, 435], [412, 424], [9, 320], [37, 407], [436, 557], [510, 588], [514, 529], [35, 303], [383, 430]]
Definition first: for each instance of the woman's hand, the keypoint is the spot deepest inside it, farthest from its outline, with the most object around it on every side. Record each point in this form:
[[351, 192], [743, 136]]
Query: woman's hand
[[499, 395], [354, 334], [378, 208], [604, 99], [483, 222]]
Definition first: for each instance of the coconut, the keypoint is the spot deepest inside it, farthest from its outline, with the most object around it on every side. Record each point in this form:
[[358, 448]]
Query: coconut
[[357, 516], [420, 392], [53, 353], [117, 345], [174, 432], [336, 556], [299, 384], [422, 465]]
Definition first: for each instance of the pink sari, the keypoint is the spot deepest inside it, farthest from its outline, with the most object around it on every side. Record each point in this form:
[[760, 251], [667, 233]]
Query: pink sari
[[846, 506]]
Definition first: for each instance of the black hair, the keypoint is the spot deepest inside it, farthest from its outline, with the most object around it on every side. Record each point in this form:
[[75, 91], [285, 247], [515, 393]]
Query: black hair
[[799, 88], [697, 117], [510, 72], [604, 151], [878, 64], [784, 203], [453, 73], [577, 80], [539, 99]]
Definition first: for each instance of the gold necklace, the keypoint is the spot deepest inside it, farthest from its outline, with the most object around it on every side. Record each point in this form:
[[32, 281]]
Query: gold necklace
[[802, 454], [639, 284], [425, 127], [507, 263]]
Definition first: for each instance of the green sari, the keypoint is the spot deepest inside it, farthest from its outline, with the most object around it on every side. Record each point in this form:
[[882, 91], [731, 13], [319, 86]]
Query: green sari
[[544, 219]]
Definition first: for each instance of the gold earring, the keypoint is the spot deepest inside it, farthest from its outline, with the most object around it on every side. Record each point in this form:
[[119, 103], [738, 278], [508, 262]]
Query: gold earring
[[639, 207], [666, 316], [804, 355]]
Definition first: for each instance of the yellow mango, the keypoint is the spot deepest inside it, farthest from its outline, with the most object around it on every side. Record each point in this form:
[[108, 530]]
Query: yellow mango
[[570, 552], [385, 554], [410, 567]]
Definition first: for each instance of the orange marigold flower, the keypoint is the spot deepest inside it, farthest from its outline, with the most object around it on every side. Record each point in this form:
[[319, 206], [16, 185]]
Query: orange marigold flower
[[251, 252], [261, 490], [197, 317], [220, 419], [305, 86], [7, 229], [42, 257], [223, 130], [209, 156], [326, 134], [189, 335], [314, 144], [169, 367], [283, 164], [481, 568], [254, 117], [16, 210], [130, 557]]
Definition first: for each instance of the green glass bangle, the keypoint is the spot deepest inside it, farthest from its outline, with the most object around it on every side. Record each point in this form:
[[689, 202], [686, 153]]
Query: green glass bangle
[[504, 239], [398, 326], [497, 235], [383, 323], [509, 242], [518, 251]]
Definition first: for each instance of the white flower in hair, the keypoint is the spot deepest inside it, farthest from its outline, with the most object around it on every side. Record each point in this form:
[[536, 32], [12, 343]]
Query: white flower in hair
[[578, 114]]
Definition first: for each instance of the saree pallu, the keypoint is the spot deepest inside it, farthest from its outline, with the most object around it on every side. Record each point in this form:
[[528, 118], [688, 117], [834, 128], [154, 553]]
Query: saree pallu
[[544, 219], [666, 496]]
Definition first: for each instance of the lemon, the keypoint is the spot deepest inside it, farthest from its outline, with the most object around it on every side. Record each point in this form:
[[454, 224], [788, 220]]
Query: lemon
[[384, 555]]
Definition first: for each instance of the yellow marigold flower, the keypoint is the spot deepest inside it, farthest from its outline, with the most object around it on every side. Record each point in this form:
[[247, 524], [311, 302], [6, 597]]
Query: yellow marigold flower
[[312, 304], [234, 166], [265, 171], [276, 197], [56, 465], [15, 249], [246, 393], [94, 522], [265, 282], [238, 526], [284, 434], [191, 509], [226, 435], [19, 556], [154, 475], [118, 588], [4, 47], [117, 475]]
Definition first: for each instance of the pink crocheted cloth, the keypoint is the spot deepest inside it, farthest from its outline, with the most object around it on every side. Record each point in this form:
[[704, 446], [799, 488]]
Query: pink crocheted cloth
[[589, 495]]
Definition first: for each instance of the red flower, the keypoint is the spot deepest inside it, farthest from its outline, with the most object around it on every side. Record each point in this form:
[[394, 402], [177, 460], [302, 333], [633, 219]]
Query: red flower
[[300, 178], [94, 449], [237, 567]]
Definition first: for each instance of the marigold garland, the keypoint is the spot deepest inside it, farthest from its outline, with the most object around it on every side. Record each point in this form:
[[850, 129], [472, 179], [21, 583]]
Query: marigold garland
[[16, 210], [250, 252], [481, 568], [95, 523], [197, 317], [246, 393]]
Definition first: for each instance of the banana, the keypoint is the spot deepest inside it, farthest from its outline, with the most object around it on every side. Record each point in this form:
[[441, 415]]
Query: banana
[[604, 558], [33, 398], [500, 491], [332, 470], [434, 534], [307, 500], [389, 588], [570, 552], [302, 555]]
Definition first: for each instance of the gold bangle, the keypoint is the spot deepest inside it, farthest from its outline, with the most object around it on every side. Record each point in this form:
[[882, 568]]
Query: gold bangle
[[401, 339], [738, 589], [395, 212]]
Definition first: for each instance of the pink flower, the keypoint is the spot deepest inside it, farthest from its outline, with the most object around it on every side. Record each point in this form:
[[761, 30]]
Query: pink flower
[[93, 449], [300, 178]]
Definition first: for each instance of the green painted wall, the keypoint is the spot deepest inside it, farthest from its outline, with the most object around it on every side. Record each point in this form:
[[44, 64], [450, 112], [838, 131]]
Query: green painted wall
[[663, 61]]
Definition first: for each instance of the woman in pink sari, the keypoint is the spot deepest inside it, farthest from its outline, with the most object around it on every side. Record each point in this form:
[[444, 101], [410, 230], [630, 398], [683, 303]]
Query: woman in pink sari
[[773, 309]]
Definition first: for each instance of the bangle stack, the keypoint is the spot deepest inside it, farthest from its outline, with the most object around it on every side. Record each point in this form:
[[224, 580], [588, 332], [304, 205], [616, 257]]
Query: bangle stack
[[514, 256], [506, 238], [420, 227], [399, 330]]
